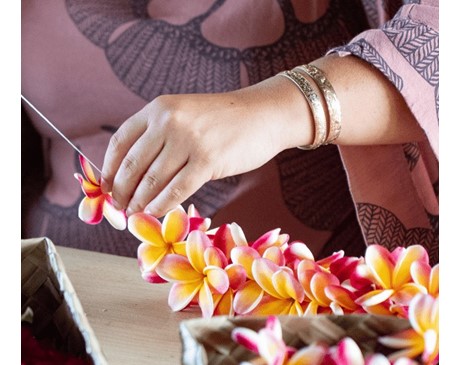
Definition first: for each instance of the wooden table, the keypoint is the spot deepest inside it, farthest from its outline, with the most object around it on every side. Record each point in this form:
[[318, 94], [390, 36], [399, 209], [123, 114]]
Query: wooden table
[[130, 317]]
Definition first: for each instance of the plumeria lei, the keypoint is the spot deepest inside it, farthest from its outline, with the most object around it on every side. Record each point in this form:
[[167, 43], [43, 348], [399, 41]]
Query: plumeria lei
[[224, 274]]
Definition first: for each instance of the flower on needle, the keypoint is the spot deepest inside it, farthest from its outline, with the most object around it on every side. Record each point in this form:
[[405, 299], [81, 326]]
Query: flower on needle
[[96, 205]]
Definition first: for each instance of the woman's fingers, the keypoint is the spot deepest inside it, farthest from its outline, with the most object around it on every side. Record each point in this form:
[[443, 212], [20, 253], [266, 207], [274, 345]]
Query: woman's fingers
[[182, 186], [133, 167], [119, 145], [160, 173]]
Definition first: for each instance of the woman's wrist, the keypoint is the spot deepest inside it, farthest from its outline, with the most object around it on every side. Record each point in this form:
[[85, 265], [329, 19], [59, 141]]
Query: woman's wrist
[[284, 111]]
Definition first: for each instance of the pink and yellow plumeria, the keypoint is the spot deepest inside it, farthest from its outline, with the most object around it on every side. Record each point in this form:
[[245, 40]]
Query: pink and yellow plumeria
[[423, 337], [222, 273], [268, 344], [96, 205]]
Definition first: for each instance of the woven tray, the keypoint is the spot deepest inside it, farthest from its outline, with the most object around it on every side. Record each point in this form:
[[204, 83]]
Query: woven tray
[[208, 341], [57, 312]]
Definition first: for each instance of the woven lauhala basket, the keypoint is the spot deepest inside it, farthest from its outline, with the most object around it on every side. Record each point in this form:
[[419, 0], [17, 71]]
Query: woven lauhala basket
[[208, 341], [57, 311]]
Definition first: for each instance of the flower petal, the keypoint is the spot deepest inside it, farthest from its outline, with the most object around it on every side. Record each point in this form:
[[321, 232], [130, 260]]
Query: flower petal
[[312, 355], [88, 170], [403, 339], [318, 284], [275, 255], [181, 294], [175, 225], [348, 352], [236, 275], [401, 272], [224, 304], [215, 257], [342, 296], [223, 239], [90, 210], [380, 263], [152, 277], [205, 299], [268, 239], [198, 223], [244, 256], [179, 248], [238, 235], [298, 251], [217, 278], [343, 267], [146, 228], [420, 312], [116, 218], [374, 297], [149, 256], [175, 267], [287, 286], [433, 288], [406, 293], [327, 261], [197, 242], [89, 189], [247, 298], [246, 337], [273, 324], [263, 271], [271, 348], [377, 359], [420, 272], [361, 277]]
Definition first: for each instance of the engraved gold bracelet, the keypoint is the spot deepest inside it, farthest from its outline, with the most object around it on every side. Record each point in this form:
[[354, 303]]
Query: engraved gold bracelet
[[316, 107], [330, 96]]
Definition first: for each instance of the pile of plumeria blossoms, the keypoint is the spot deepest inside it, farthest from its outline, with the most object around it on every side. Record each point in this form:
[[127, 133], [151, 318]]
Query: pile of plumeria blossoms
[[224, 274]]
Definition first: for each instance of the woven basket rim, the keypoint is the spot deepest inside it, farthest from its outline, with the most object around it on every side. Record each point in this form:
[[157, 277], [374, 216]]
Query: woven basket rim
[[78, 316]]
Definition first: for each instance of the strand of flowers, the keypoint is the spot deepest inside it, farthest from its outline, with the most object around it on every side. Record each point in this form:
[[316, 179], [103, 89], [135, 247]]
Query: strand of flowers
[[224, 274]]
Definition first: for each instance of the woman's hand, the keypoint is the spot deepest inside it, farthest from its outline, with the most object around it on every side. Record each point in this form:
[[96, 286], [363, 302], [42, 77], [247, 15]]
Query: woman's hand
[[175, 144], [167, 151]]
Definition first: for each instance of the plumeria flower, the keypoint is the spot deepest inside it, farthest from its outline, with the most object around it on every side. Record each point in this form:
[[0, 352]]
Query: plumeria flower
[[268, 342], [391, 275], [158, 239], [323, 290], [269, 345], [426, 276], [284, 294], [201, 273], [197, 222], [96, 205], [423, 337]]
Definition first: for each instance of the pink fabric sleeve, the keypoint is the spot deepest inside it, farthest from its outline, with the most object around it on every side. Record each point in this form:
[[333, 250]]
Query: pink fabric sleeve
[[395, 187]]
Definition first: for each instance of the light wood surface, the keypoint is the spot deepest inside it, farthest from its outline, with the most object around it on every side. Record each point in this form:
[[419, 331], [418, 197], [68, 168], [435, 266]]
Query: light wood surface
[[130, 317]]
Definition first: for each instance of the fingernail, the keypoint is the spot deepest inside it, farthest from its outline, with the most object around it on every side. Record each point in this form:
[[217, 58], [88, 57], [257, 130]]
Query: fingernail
[[129, 211]]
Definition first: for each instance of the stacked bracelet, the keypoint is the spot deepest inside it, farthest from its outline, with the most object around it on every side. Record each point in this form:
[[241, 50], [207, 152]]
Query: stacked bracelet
[[315, 104], [330, 96], [324, 132]]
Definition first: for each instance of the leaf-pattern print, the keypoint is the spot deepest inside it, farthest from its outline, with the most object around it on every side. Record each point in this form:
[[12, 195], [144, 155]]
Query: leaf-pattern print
[[366, 51], [381, 226]]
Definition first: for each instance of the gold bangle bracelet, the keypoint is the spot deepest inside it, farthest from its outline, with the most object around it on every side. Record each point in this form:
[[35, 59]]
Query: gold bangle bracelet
[[316, 107], [330, 96]]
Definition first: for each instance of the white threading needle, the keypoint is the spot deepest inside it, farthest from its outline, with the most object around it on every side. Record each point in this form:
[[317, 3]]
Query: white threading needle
[[59, 132]]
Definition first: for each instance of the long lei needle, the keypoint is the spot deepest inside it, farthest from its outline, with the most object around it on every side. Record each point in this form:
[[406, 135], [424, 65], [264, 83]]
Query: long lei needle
[[60, 133]]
